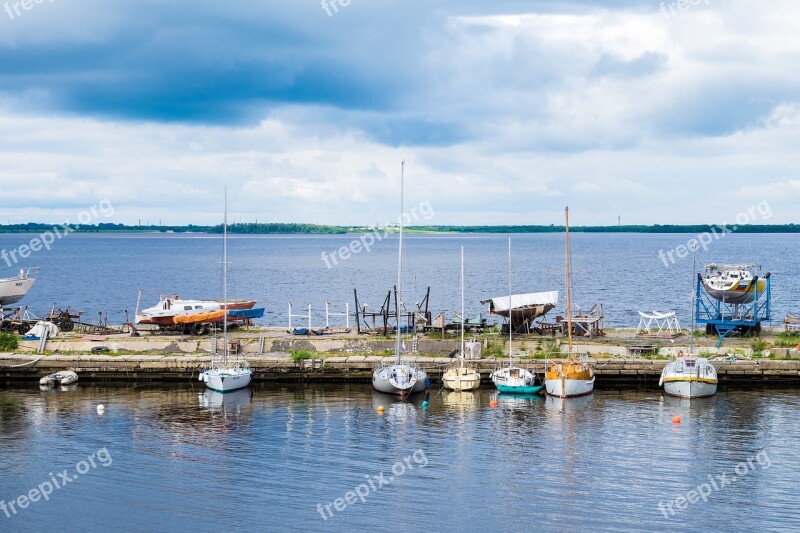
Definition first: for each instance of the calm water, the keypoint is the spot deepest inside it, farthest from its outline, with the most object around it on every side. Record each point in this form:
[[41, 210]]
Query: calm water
[[177, 458], [623, 271]]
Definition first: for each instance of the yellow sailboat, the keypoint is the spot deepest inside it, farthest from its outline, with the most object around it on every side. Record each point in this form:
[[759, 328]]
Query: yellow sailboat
[[571, 378]]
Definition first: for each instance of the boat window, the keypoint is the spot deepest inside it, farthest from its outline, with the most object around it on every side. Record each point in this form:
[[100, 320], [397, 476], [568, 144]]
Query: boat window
[[198, 306], [187, 307]]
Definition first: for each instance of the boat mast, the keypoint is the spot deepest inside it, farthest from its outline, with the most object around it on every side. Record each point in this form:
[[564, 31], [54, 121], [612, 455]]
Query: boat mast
[[462, 307], [694, 300], [225, 281], [569, 285], [509, 302], [400, 264]]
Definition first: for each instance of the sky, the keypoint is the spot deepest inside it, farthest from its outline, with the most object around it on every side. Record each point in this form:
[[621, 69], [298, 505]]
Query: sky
[[504, 111]]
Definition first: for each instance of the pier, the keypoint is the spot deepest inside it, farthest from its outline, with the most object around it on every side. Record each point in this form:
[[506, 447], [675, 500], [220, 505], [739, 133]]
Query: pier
[[352, 358]]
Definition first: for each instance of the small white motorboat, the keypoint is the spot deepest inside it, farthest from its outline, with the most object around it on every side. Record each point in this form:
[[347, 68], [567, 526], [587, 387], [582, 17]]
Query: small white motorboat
[[65, 377]]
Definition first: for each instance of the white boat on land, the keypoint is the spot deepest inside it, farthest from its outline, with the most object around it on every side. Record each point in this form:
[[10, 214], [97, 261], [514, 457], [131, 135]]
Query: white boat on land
[[572, 378], [12, 290], [689, 376], [513, 379], [461, 377], [400, 378], [171, 309], [65, 377], [733, 284], [226, 374]]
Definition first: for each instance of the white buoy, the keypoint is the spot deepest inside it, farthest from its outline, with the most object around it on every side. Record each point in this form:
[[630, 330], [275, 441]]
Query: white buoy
[[100, 408]]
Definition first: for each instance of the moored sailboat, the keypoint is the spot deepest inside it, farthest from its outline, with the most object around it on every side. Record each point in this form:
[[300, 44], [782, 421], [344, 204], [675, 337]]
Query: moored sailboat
[[689, 376], [399, 378], [226, 374], [571, 378], [514, 379], [461, 377]]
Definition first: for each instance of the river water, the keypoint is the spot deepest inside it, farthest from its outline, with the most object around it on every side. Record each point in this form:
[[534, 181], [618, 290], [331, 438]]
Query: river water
[[321, 458], [101, 273]]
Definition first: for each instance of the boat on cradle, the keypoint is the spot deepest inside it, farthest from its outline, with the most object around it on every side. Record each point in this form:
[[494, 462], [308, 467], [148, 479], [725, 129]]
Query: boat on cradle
[[689, 376], [461, 377], [399, 378], [12, 290], [172, 310], [572, 378], [226, 373], [65, 377], [513, 379], [523, 309], [733, 284]]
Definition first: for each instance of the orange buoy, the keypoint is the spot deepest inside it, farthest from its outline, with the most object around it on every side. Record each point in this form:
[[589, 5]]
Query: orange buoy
[[493, 403], [380, 409], [676, 419]]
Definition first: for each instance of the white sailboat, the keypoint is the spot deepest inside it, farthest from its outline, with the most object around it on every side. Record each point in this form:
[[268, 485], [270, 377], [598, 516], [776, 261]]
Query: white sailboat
[[514, 379], [226, 374], [399, 378], [461, 377], [571, 378], [689, 376]]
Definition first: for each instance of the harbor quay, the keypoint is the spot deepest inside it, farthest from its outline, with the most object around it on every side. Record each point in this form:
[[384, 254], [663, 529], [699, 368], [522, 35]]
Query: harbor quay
[[619, 360]]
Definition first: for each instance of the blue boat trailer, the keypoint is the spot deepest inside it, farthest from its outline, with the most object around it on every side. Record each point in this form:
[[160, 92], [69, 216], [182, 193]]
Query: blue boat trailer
[[726, 318]]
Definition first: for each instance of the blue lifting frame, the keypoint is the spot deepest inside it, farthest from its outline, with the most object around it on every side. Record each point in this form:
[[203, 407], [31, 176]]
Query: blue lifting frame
[[727, 318]]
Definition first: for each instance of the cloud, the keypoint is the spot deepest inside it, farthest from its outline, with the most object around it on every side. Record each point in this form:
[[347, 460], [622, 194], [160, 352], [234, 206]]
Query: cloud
[[504, 110]]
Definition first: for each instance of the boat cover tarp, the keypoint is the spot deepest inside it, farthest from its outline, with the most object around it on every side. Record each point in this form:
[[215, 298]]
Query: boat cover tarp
[[42, 326], [199, 317], [500, 305], [256, 312]]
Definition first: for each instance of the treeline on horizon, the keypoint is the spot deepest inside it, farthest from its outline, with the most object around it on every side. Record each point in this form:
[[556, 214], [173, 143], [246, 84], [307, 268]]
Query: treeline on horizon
[[298, 228]]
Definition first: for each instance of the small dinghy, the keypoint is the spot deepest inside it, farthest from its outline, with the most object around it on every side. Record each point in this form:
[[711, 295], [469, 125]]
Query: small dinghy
[[65, 377]]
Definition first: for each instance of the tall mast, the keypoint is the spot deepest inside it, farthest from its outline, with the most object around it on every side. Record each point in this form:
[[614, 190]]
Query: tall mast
[[462, 307], [509, 301], [569, 286], [399, 294], [694, 300], [225, 280]]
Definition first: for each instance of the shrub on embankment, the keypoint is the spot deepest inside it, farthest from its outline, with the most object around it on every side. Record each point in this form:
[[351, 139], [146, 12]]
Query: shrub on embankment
[[8, 342]]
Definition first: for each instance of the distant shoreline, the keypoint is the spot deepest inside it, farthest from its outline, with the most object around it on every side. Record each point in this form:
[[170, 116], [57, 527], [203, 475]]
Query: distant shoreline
[[315, 229]]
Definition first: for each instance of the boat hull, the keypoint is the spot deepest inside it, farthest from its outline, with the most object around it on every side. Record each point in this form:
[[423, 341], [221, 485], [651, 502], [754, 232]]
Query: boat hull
[[399, 379], [690, 389], [14, 289], [461, 379], [515, 380], [689, 377], [569, 380], [522, 389], [226, 379], [743, 292]]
